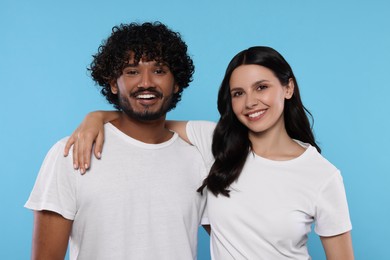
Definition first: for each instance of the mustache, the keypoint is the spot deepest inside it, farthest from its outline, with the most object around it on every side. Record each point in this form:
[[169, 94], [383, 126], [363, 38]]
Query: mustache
[[151, 90]]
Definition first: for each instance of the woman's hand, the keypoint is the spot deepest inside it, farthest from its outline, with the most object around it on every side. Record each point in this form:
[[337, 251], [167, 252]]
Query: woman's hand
[[90, 132]]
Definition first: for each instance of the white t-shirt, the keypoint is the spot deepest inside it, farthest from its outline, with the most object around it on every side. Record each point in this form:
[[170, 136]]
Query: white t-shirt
[[138, 202], [273, 204]]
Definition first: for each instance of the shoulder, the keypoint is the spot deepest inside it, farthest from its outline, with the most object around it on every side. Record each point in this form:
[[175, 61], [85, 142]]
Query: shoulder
[[57, 149], [312, 159], [55, 163], [319, 161], [312, 168]]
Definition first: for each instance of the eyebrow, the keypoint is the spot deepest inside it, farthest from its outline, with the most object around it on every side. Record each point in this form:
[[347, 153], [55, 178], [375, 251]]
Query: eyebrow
[[260, 82], [252, 85], [155, 64]]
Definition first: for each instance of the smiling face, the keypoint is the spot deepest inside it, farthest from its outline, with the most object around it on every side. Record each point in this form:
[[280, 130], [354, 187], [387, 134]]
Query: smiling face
[[145, 89], [258, 98]]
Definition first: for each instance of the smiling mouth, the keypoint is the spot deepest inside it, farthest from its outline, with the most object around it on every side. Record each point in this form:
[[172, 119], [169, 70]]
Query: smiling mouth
[[256, 114], [144, 94]]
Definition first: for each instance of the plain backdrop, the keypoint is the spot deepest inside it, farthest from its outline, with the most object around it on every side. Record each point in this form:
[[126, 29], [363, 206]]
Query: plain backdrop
[[339, 51]]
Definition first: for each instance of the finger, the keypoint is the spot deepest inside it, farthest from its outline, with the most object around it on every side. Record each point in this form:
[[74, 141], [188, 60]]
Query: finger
[[87, 151], [80, 157], [99, 145], [75, 155], [71, 140], [68, 144]]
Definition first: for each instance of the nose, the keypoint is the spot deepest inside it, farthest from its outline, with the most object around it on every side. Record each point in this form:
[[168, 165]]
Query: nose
[[251, 101], [146, 80]]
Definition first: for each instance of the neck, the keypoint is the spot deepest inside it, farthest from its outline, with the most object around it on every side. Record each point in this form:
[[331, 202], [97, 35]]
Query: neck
[[275, 144], [150, 131]]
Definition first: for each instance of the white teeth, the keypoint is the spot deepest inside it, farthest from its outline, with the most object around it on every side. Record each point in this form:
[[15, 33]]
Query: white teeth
[[146, 96], [256, 114]]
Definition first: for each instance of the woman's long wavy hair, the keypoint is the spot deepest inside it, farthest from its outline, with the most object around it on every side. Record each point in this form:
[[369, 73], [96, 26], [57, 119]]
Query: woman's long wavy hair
[[231, 143]]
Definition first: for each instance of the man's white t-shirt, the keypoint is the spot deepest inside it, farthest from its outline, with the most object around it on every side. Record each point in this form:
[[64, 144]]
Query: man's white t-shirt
[[273, 204], [138, 202]]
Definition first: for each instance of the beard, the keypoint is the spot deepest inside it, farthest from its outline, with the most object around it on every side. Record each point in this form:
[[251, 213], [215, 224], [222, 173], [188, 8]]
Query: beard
[[145, 115]]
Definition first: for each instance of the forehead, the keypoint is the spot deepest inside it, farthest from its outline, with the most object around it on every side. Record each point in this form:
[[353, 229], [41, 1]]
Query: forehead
[[248, 74], [143, 59], [142, 63]]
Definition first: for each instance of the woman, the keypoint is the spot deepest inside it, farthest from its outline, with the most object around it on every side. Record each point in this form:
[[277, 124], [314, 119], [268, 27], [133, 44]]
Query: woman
[[268, 182]]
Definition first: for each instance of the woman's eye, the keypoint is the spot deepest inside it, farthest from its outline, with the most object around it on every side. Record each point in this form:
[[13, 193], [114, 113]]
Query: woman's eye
[[237, 94], [261, 87]]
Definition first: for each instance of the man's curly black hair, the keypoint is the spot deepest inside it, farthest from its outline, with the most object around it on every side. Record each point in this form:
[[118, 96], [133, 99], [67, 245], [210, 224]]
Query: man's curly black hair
[[151, 40]]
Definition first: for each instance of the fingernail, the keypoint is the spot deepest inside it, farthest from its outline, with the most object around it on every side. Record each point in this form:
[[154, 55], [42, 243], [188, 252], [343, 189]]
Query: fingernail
[[86, 166], [82, 171], [75, 166], [99, 155]]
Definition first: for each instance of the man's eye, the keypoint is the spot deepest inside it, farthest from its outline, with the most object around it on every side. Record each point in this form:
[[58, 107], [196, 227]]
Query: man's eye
[[131, 72], [159, 71]]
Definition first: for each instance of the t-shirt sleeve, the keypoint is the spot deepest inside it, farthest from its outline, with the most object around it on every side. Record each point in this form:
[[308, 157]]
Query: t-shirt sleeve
[[200, 134], [332, 214], [55, 186], [205, 217]]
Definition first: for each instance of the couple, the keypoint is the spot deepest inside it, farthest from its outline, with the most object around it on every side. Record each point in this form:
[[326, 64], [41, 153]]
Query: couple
[[259, 166]]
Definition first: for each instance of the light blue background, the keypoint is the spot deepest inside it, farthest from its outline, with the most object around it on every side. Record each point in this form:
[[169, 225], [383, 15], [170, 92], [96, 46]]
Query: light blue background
[[339, 51]]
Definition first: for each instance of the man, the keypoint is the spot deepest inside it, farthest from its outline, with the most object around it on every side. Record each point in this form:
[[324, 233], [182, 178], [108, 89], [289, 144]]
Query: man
[[140, 201]]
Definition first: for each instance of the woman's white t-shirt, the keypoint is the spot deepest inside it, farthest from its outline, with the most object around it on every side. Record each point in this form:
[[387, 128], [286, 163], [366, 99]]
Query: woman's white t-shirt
[[273, 204]]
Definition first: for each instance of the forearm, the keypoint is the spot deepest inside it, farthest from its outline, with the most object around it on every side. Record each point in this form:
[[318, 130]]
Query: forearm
[[103, 116]]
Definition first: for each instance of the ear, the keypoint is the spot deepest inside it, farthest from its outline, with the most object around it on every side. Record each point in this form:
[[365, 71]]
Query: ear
[[114, 87], [176, 88], [289, 89]]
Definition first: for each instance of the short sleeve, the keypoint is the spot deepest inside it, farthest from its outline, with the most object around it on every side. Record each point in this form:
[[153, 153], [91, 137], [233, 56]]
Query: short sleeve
[[55, 186], [332, 214], [205, 216], [200, 134]]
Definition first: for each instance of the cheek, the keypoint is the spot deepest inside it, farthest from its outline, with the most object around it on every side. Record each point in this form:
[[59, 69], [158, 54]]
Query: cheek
[[168, 86], [236, 106], [275, 99], [125, 83]]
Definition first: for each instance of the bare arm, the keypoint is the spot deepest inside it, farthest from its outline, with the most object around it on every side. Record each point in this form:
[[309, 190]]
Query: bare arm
[[50, 236], [338, 247], [90, 131]]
